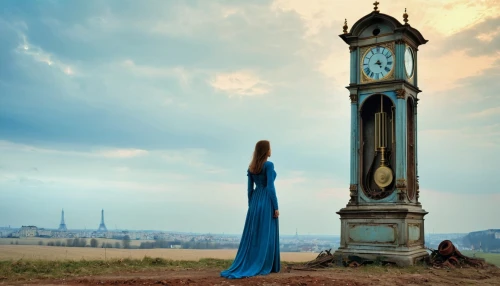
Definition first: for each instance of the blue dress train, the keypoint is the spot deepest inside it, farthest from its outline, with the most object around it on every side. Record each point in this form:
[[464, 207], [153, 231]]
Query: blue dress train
[[259, 249]]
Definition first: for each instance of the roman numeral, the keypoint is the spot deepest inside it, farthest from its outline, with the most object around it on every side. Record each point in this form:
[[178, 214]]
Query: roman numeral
[[387, 69], [389, 63], [378, 49], [371, 74], [367, 70], [376, 76]]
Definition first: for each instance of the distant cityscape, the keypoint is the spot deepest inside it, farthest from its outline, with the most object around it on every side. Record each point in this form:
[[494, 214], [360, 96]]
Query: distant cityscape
[[486, 241]]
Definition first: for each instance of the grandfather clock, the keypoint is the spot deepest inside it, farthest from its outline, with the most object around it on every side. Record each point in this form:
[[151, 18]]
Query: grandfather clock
[[383, 221]]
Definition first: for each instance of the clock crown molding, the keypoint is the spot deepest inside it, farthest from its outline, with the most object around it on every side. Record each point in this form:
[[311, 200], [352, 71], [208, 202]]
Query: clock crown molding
[[375, 17]]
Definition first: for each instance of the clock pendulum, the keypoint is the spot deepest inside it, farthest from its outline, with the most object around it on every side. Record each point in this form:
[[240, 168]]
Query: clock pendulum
[[383, 175]]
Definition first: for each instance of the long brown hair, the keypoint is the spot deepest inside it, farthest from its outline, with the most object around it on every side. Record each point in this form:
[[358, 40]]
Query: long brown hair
[[260, 155]]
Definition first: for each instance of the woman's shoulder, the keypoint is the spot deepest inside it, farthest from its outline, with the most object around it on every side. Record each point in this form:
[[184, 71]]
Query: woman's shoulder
[[268, 164]]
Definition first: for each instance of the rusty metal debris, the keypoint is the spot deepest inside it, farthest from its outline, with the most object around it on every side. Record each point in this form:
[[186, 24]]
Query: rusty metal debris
[[447, 255], [323, 260]]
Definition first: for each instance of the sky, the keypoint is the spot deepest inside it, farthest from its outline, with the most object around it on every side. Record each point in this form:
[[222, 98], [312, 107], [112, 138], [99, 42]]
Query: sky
[[150, 110]]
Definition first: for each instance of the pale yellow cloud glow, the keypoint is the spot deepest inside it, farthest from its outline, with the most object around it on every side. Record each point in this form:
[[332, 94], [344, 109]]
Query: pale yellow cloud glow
[[336, 66], [243, 83], [452, 16], [488, 37], [444, 16], [226, 12], [434, 18], [444, 73]]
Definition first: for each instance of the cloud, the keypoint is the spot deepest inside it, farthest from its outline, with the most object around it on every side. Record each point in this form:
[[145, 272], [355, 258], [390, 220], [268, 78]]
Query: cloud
[[243, 83], [478, 40], [450, 212], [39, 55], [122, 153], [185, 21], [151, 71], [162, 160], [488, 37], [454, 36], [486, 112], [446, 72], [30, 182], [459, 15]]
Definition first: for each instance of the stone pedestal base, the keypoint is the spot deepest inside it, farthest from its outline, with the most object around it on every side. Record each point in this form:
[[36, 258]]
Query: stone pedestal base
[[382, 233]]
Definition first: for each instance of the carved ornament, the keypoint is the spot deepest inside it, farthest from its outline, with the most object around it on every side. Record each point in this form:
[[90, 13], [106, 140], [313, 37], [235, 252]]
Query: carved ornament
[[418, 191], [400, 93], [353, 193], [352, 49], [401, 184], [354, 98], [401, 189], [400, 42]]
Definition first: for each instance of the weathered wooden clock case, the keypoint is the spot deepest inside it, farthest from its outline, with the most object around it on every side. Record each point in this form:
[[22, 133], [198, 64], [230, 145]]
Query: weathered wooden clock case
[[383, 220]]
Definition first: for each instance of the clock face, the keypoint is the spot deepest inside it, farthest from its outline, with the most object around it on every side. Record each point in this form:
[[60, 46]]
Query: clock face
[[409, 62], [378, 62]]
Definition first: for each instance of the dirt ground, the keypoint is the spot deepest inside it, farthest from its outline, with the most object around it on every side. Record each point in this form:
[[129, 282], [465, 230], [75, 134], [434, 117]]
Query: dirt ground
[[333, 276]]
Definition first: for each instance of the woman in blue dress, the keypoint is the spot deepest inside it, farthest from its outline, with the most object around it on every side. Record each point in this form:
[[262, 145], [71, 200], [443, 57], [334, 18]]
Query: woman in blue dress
[[259, 249]]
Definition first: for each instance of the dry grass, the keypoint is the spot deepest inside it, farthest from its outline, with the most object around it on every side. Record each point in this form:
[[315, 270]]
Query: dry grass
[[22, 270], [16, 252]]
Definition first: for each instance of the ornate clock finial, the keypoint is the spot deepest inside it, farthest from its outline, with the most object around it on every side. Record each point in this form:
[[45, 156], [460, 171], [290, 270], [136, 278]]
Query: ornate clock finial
[[375, 8], [345, 26], [405, 17]]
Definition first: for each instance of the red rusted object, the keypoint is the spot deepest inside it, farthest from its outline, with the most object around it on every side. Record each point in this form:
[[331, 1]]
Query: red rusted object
[[447, 255], [446, 248]]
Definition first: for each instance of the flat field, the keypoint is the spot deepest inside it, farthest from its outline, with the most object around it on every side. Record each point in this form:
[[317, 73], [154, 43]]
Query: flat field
[[15, 252]]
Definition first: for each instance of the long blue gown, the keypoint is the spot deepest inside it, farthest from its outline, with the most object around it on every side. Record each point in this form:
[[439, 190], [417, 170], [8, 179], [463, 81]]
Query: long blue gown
[[259, 250]]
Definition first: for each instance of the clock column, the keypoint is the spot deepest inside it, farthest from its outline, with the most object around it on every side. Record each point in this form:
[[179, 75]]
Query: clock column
[[417, 191], [354, 176], [354, 62], [401, 144], [353, 186], [400, 54]]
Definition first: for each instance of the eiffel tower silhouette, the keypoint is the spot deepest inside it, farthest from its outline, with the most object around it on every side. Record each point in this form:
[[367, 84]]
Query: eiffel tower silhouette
[[62, 225], [102, 226]]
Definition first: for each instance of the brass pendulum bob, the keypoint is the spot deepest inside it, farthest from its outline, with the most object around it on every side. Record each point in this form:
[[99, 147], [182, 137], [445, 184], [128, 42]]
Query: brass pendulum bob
[[383, 174]]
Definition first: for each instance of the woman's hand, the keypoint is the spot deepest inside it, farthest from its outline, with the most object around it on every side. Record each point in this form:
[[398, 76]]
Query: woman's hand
[[276, 213]]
